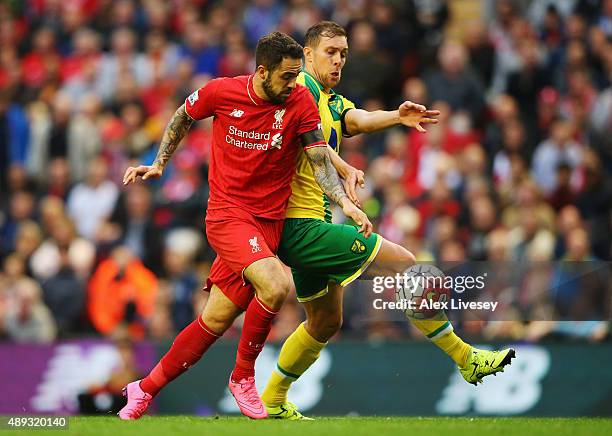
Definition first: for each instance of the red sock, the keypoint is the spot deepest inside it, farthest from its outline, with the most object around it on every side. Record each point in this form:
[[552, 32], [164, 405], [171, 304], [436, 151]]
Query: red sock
[[257, 325], [186, 350]]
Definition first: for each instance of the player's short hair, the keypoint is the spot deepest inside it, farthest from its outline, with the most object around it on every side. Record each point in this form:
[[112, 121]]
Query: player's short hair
[[328, 29], [273, 48]]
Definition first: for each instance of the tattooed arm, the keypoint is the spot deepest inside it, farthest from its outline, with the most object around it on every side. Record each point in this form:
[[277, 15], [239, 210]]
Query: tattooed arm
[[175, 131], [327, 177], [325, 174]]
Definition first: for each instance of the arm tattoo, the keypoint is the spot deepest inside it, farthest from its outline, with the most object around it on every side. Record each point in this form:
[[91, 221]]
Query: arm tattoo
[[175, 131], [325, 174]]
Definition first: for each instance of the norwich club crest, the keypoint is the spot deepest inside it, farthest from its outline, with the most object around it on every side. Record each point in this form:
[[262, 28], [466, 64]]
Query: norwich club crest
[[358, 247]]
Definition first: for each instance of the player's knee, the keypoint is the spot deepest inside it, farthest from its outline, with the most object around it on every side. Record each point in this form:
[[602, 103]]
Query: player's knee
[[325, 325], [406, 259], [216, 322], [402, 260], [275, 293], [334, 324]]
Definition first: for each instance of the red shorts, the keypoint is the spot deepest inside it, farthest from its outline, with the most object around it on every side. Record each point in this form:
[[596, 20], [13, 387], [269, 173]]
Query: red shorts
[[239, 239]]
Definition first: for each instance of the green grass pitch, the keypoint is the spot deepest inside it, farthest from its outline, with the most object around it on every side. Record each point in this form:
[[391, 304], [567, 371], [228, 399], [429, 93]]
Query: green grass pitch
[[352, 426]]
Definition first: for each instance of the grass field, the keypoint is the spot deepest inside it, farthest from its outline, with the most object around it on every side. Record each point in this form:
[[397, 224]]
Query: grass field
[[353, 426]]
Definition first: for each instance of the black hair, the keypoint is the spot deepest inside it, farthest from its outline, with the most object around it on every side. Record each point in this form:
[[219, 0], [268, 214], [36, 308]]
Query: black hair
[[273, 48]]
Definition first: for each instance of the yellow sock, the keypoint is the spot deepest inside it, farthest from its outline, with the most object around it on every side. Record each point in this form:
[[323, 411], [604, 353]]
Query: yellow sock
[[440, 332], [298, 353]]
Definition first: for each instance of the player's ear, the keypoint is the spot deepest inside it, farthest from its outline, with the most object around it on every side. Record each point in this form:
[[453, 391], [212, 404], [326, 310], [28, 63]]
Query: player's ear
[[261, 72], [308, 54]]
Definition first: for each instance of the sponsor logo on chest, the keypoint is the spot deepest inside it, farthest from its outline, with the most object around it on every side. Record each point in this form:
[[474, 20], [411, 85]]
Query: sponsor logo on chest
[[255, 139]]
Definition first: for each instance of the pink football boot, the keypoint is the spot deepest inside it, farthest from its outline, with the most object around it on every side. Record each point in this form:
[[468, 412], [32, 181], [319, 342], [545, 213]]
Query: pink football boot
[[137, 401], [247, 398]]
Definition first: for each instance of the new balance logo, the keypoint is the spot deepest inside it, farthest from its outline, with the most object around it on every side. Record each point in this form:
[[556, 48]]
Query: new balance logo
[[236, 113], [255, 248]]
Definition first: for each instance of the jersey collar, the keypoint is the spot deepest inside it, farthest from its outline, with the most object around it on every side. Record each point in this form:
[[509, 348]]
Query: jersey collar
[[331, 92], [252, 94]]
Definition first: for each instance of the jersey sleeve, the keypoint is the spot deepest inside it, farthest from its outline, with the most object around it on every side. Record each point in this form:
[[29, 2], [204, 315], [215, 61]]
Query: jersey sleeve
[[309, 122], [347, 106], [201, 103]]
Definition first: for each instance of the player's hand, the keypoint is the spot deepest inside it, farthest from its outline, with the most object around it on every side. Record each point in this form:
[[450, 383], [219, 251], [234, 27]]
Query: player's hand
[[353, 178], [144, 171], [359, 217], [413, 114]]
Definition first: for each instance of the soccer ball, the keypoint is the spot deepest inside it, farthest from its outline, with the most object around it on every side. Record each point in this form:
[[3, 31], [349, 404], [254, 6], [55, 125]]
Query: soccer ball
[[420, 287]]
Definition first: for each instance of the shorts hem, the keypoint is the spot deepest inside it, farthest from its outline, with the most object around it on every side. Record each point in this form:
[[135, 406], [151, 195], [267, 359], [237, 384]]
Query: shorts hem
[[319, 294], [230, 296]]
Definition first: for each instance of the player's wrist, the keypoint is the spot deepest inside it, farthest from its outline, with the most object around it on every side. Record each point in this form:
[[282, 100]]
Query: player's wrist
[[344, 169], [158, 165], [397, 119], [344, 201]]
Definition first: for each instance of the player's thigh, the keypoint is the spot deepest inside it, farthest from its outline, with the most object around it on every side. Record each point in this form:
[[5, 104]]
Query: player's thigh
[[270, 281], [325, 252], [238, 238], [219, 312], [391, 259]]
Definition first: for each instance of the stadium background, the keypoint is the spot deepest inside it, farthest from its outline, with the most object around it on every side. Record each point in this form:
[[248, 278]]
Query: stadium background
[[97, 279]]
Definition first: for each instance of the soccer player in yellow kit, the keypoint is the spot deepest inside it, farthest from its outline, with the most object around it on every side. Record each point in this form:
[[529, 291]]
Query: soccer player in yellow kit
[[325, 257]]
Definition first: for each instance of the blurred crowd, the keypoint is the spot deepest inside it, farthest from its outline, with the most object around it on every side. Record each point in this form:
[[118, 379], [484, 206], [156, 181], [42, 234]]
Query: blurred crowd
[[518, 169]]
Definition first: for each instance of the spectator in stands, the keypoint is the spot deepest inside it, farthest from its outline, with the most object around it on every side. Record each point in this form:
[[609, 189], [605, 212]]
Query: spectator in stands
[[558, 149], [22, 206], [201, 50], [121, 292], [133, 225], [27, 319], [47, 260], [92, 201], [29, 238], [14, 137], [261, 17], [64, 295], [181, 247], [368, 73], [123, 59], [454, 82]]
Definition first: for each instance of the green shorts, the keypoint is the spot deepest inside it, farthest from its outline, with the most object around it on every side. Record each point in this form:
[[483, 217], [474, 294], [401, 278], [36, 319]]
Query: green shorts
[[319, 252]]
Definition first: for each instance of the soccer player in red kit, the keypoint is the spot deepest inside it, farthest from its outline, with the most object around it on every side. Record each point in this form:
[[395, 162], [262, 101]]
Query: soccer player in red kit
[[259, 123]]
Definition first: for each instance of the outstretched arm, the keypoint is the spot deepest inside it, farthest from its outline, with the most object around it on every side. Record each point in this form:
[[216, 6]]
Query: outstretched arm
[[175, 131], [408, 114], [327, 177]]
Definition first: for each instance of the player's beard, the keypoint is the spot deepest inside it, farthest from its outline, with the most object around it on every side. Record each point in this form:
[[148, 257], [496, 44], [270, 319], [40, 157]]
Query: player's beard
[[274, 97]]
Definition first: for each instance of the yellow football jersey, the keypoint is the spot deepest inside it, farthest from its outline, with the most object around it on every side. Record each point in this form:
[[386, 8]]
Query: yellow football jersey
[[307, 199]]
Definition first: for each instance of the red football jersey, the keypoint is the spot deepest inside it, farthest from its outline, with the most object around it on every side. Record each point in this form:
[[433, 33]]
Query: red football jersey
[[255, 143]]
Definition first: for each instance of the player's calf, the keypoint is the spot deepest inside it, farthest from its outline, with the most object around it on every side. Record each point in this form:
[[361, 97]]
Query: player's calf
[[272, 286], [324, 314]]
